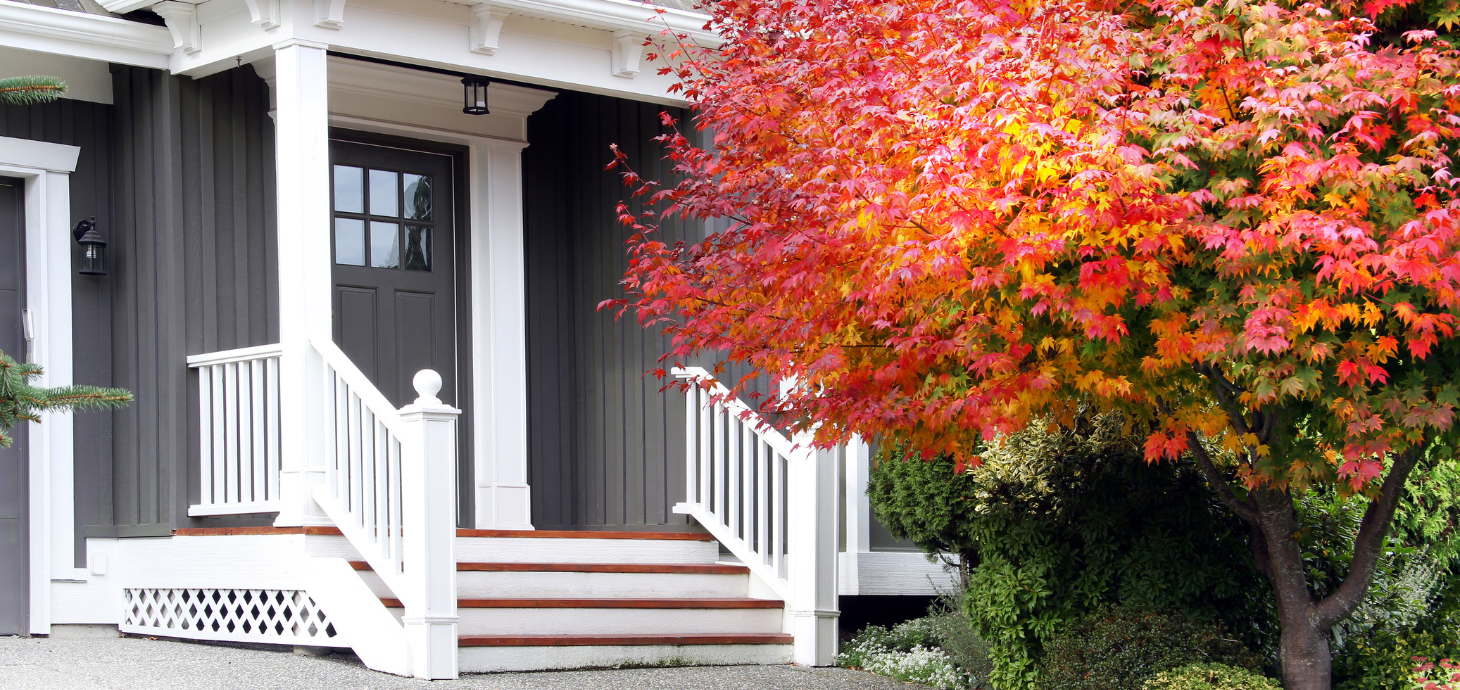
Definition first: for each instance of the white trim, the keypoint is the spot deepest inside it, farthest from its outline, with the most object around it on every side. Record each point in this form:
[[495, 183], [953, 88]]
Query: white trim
[[84, 35], [46, 169], [242, 354]]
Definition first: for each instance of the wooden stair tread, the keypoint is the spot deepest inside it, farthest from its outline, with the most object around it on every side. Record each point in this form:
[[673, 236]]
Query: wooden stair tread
[[494, 533], [665, 568], [612, 603], [621, 640]]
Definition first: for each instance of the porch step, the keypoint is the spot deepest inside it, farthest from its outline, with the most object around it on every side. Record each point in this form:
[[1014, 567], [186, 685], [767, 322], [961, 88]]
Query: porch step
[[598, 580], [614, 616], [485, 654]]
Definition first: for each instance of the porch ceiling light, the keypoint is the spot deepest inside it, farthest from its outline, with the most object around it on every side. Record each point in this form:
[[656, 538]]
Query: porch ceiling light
[[475, 100], [93, 246]]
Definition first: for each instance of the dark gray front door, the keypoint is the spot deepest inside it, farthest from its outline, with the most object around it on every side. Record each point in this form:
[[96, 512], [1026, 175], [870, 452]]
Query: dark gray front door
[[13, 560], [394, 259]]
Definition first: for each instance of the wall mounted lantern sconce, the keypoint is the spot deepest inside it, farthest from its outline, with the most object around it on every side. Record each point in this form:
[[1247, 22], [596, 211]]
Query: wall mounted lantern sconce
[[475, 101], [93, 246]]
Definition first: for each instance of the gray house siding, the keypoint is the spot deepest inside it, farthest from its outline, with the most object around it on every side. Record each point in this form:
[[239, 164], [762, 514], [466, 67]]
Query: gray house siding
[[88, 126], [605, 447], [192, 268]]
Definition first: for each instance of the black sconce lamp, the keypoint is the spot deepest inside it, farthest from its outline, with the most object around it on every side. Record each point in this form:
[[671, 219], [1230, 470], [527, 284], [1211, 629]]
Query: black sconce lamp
[[93, 246], [475, 101]]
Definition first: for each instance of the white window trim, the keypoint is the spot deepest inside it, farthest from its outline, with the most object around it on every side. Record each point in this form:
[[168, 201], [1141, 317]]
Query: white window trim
[[46, 170]]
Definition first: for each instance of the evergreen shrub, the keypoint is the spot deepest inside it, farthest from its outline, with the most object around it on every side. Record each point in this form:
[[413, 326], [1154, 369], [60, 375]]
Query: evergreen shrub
[[1120, 648], [1211, 677]]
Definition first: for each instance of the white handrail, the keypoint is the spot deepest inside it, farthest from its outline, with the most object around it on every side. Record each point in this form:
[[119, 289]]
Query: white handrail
[[238, 431], [771, 501], [362, 490], [735, 478]]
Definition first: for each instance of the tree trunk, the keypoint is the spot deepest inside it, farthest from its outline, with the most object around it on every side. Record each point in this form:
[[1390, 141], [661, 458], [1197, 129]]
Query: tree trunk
[[1305, 656]]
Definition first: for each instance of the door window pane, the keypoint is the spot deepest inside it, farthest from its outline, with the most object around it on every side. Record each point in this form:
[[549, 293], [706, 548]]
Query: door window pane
[[384, 244], [349, 189], [418, 248], [384, 191], [418, 197], [349, 242]]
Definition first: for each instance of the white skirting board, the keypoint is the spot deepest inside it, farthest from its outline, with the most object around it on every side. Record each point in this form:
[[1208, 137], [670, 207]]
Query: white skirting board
[[896, 573], [491, 659]]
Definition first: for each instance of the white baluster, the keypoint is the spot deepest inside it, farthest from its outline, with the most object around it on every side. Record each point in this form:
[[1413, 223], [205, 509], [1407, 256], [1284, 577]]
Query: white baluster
[[428, 490]]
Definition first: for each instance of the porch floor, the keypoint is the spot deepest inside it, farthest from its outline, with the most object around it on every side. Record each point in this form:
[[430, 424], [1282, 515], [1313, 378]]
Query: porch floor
[[133, 663]]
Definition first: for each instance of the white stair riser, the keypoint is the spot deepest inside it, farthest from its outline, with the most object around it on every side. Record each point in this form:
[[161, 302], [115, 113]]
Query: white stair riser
[[476, 584], [549, 550], [529, 550], [488, 659], [615, 621]]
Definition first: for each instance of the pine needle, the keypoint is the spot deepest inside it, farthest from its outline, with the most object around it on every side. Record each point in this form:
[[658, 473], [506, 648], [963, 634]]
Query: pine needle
[[20, 401], [30, 90]]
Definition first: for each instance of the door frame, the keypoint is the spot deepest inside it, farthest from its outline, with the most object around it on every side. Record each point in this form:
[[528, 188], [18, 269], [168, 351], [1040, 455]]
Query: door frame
[[461, 264], [46, 171]]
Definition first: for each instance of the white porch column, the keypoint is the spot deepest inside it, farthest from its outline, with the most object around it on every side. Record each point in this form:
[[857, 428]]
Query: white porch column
[[812, 612], [859, 515], [301, 125], [503, 498]]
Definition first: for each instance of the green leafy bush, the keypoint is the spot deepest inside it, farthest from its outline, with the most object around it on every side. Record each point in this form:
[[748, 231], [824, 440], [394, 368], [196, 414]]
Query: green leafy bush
[[1119, 648], [1055, 524], [1210, 677]]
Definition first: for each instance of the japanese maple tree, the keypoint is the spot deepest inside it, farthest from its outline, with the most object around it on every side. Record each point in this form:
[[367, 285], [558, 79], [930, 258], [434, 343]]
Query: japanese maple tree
[[949, 219]]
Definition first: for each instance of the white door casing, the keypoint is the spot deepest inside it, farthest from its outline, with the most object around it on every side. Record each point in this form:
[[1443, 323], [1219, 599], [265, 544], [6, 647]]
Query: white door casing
[[46, 170]]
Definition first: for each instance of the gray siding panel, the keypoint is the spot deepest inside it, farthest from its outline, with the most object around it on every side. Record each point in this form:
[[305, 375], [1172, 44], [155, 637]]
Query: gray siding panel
[[89, 127], [193, 269], [605, 445]]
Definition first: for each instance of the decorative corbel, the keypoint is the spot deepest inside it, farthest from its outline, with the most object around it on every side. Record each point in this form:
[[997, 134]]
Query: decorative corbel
[[264, 13], [628, 48], [486, 27], [182, 21], [329, 14]]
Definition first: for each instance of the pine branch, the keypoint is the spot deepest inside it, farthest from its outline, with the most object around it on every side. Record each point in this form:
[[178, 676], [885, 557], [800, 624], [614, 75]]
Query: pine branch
[[20, 401], [30, 90]]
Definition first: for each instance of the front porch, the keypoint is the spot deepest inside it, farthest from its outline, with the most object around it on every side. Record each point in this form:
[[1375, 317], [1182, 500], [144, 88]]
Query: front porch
[[291, 476]]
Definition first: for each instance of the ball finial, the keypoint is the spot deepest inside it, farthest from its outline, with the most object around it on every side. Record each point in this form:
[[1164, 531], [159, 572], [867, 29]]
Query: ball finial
[[427, 384]]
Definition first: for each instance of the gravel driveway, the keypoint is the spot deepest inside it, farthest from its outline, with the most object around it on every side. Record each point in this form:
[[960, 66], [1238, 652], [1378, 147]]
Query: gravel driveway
[[143, 664]]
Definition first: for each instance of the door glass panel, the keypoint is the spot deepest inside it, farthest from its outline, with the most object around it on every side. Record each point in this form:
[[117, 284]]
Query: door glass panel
[[384, 193], [418, 197], [384, 244], [349, 189], [418, 248], [349, 241]]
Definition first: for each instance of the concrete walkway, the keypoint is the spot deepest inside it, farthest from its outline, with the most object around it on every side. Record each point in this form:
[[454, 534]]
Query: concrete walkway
[[143, 664]]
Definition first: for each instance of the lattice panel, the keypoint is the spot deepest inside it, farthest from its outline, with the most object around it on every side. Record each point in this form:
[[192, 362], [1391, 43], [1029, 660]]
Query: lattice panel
[[278, 616]]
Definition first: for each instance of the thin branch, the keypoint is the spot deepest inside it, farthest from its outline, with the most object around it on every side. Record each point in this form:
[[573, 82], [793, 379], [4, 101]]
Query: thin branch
[[1369, 544], [1219, 483]]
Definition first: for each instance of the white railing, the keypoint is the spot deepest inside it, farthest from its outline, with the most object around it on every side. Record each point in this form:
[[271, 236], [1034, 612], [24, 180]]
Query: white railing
[[771, 501], [390, 487], [238, 428], [362, 458]]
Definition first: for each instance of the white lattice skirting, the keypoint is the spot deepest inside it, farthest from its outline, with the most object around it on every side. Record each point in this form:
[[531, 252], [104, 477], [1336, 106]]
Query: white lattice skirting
[[276, 616]]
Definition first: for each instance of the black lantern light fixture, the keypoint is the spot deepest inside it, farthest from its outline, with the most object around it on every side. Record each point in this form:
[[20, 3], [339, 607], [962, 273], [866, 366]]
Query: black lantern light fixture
[[475, 101], [93, 247]]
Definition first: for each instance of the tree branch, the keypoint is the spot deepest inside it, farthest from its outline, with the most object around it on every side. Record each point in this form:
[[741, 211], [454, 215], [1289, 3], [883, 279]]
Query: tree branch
[[1369, 544], [1218, 482]]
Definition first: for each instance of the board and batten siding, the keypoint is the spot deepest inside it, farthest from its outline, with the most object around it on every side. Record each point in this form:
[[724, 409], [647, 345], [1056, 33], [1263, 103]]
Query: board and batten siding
[[605, 446], [87, 126], [192, 263]]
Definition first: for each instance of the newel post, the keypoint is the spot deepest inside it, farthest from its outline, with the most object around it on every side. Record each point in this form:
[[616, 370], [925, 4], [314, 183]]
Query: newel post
[[428, 529], [812, 522]]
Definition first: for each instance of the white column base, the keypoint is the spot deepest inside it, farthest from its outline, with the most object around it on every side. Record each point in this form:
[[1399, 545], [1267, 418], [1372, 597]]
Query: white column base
[[432, 642], [816, 637], [504, 506]]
